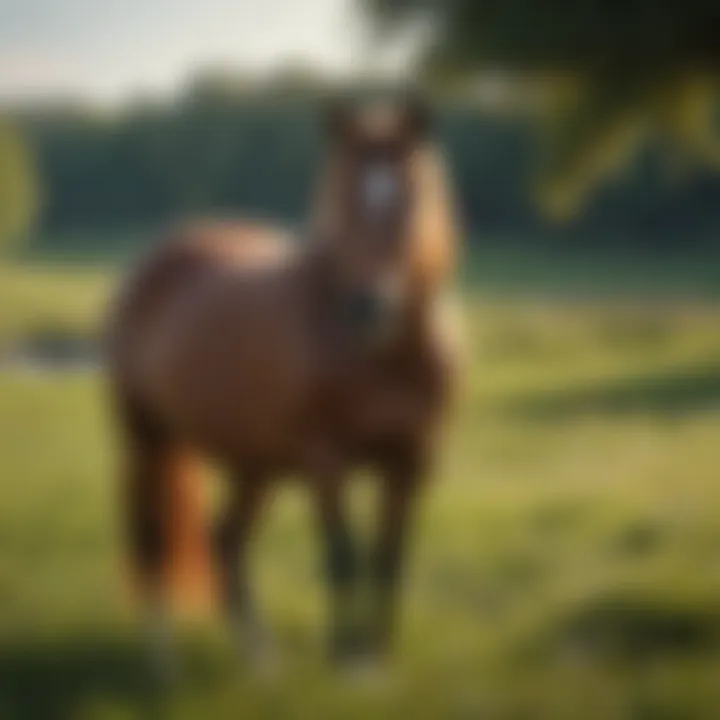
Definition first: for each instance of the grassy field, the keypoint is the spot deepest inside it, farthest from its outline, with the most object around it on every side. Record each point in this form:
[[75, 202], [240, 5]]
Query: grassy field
[[567, 558]]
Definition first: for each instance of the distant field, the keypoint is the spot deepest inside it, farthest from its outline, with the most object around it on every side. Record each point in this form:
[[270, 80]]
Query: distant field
[[567, 562], [61, 283], [508, 268], [494, 264], [37, 298]]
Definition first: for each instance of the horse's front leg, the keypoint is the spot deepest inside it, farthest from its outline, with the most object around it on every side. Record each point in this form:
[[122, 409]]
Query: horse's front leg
[[402, 473], [341, 560], [233, 533]]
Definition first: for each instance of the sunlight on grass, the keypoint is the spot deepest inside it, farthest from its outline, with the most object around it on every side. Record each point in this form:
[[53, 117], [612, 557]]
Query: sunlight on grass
[[566, 558]]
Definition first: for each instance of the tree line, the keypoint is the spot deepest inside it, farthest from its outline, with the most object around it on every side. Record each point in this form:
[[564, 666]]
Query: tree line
[[225, 150]]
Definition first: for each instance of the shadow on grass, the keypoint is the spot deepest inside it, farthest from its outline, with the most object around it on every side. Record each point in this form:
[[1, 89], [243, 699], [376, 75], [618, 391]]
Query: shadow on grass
[[677, 391], [635, 628], [58, 679]]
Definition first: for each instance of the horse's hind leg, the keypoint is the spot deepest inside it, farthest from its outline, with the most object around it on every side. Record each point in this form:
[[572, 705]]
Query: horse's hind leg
[[234, 531], [147, 542], [169, 552]]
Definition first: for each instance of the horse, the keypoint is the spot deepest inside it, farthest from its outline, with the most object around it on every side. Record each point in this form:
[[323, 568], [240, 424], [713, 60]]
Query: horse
[[279, 357]]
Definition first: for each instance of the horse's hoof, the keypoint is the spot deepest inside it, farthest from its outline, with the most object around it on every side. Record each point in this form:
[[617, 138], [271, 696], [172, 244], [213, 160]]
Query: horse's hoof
[[262, 662], [266, 667], [164, 668], [365, 671], [346, 647], [165, 673]]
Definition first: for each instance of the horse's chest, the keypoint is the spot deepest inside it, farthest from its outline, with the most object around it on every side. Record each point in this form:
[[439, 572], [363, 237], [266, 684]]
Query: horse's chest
[[397, 403]]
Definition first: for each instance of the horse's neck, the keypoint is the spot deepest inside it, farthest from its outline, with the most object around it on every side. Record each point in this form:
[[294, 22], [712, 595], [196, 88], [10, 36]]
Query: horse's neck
[[415, 336], [420, 328], [315, 269]]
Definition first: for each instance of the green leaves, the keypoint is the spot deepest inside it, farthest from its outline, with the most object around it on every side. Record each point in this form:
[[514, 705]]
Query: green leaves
[[18, 187], [622, 73]]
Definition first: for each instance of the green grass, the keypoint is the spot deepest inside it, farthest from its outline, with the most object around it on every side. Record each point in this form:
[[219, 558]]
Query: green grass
[[42, 298], [590, 270], [567, 555]]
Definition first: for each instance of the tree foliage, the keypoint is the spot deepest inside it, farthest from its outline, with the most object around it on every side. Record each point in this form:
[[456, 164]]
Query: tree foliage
[[233, 150], [640, 37], [18, 186], [613, 73]]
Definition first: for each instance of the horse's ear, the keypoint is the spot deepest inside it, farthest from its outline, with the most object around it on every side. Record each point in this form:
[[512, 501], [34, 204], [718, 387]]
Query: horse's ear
[[338, 120], [418, 117]]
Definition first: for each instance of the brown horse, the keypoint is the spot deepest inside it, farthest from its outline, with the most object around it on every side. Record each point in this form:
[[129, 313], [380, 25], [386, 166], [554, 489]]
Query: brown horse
[[276, 357]]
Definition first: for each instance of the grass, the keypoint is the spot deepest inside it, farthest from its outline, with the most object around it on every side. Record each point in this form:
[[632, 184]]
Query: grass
[[37, 299], [567, 556], [510, 267]]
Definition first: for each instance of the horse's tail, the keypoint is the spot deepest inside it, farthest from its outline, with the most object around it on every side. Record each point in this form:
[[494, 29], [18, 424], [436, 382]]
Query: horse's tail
[[169, 540]]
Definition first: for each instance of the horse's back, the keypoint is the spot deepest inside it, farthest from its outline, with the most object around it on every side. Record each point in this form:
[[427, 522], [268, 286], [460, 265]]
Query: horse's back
[[211, 336], [177, 273], [191, 251]]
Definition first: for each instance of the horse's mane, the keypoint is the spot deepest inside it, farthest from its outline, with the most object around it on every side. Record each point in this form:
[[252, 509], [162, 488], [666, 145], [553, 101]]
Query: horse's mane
[[433, 226], [434, 222]]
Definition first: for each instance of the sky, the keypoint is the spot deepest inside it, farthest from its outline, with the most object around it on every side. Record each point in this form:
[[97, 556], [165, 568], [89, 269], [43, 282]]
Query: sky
[[112, 49]]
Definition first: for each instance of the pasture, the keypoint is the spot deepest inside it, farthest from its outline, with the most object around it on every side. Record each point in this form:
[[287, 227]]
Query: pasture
[[567, 557]]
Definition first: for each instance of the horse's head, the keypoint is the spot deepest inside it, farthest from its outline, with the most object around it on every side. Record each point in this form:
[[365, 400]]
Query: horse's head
[[383, 211]]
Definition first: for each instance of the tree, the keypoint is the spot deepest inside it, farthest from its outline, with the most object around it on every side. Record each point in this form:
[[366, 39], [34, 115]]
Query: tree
[[612, 73], [18, 187]]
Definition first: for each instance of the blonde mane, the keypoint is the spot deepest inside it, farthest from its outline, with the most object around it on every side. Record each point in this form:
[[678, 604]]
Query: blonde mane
[[434, 223]]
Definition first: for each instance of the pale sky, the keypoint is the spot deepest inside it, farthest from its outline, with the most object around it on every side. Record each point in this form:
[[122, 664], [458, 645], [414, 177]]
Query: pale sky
[[109, 49]]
